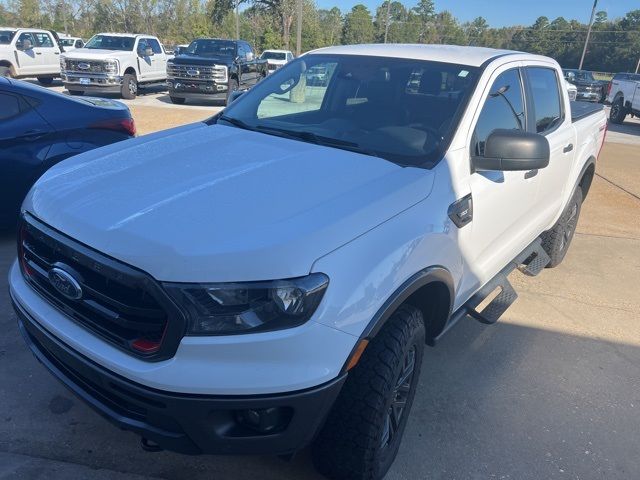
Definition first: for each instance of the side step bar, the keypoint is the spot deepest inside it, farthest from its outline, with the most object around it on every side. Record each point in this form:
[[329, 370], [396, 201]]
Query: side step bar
[[531, 262]]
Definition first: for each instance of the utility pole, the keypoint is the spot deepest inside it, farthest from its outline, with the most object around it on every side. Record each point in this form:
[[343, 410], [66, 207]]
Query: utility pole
[[386, 25], [299, 29], [586, 42], [237, 19]]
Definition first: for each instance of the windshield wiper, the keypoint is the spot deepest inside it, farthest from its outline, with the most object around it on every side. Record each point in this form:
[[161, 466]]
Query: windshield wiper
[[318, 139], [235, 122]]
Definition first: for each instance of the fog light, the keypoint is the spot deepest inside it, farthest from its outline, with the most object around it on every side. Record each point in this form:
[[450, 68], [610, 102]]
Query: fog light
[[264, 420]]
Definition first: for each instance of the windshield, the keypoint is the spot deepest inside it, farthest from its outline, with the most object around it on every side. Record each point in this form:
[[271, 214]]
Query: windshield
[[212, 48], [402, 110], [111, 42], [579, 75], [6, 36], [273, 56]]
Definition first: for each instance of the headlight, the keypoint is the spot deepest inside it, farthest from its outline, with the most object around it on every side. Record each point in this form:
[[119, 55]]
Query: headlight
[[111, 66], [63, 64], [230, 308]]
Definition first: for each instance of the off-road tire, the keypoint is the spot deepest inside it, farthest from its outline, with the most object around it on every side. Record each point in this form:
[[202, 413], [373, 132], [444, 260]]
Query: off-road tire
[[351, 444], [5, 71], [45, 80], [177, 100], [233, 86], [129, 89], [617, 113], [557, 240], [76, 93]]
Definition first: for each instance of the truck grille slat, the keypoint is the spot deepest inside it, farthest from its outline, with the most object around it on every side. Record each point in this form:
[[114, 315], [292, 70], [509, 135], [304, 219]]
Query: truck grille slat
[[72, 66], [118, 303], [217, 73]]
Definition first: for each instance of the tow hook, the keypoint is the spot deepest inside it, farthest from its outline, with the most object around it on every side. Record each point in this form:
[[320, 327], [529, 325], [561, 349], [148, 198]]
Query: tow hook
[[149, 445]]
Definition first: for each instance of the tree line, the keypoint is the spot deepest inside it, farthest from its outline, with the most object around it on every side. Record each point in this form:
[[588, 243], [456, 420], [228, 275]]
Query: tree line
[[614, 45]]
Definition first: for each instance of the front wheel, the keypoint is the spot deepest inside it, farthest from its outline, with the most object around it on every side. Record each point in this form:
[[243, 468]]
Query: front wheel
[[76, 93], [5, 72], [45, 80], [362, 434], [617, 113], [177, 100], [232, 87], [129, 88], [557, 240]]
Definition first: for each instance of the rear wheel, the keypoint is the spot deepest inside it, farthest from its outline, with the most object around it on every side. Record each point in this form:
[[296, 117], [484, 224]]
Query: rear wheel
[[362, 434], [129, 88], [76, 93], [557, 240], [45, 80], [618, 112], [177, 100]]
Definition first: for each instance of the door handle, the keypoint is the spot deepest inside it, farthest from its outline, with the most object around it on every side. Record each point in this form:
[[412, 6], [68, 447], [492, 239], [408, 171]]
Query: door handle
[[32, 135], [568, 148], [38, 53]]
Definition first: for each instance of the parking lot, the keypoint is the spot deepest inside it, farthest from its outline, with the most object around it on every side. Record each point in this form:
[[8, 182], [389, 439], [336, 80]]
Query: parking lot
[[551, 391]]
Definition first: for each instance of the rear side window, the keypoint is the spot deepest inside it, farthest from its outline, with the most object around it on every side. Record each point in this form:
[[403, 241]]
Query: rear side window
[[9, 106], [155, 45], [546, 98], [43, 40], [503, 108]]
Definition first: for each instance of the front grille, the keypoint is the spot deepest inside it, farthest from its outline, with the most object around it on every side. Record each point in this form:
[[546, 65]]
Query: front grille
[[94, 66], [216, 73], [119, 303]]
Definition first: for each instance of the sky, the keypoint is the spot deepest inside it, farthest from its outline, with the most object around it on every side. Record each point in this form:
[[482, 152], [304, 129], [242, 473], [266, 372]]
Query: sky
[[499, 13]]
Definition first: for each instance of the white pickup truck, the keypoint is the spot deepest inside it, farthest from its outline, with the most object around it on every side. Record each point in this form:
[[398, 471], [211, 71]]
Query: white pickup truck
[[114, 63], [270, 277], [624, 96], [29, 52]]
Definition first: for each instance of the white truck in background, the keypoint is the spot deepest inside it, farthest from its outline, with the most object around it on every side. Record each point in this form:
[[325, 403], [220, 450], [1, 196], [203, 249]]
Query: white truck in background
[[269, 278], [29, 52], [115, 63], [624, 96]]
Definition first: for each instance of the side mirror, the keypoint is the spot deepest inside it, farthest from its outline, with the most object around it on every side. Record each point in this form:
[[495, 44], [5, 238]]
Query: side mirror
[[513, 150], [249, 57], [233, 96], [24, 45]]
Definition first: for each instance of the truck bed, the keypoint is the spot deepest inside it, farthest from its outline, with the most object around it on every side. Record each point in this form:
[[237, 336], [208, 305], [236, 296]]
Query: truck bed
[[580, 110]]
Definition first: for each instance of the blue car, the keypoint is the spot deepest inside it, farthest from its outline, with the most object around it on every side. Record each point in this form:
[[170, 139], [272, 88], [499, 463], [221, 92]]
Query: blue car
[[39, 128]]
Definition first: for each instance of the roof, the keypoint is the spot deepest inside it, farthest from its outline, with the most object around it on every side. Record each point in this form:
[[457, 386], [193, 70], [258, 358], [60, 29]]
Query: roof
[[473, 56], [275, 50]]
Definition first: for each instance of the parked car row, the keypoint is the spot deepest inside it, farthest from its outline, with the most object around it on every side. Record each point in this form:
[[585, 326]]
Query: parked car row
[[122, 63]]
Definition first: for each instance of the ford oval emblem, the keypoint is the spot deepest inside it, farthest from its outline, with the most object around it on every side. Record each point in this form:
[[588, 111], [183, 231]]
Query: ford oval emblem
[[192, 72], [84, 66], [64, 283]]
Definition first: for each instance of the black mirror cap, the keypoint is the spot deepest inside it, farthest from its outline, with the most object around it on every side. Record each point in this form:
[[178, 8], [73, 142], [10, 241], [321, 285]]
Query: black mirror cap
[[514, 150]]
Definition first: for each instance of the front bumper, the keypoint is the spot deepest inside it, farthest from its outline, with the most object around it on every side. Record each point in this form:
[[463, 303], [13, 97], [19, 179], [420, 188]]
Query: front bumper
[[184, 423], [92, 82], [589, 96], [186, 88]]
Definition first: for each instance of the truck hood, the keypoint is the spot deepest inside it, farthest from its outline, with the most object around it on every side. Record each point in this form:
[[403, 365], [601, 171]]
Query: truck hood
[[95, 54], [198, 60], [213, 203]]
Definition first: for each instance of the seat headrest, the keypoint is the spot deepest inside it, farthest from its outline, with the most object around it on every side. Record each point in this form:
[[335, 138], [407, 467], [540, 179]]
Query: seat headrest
[[430, 83]]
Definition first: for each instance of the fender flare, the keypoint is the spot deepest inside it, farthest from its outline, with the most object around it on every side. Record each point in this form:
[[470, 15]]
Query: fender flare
[[590, 161], [411, 285]]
